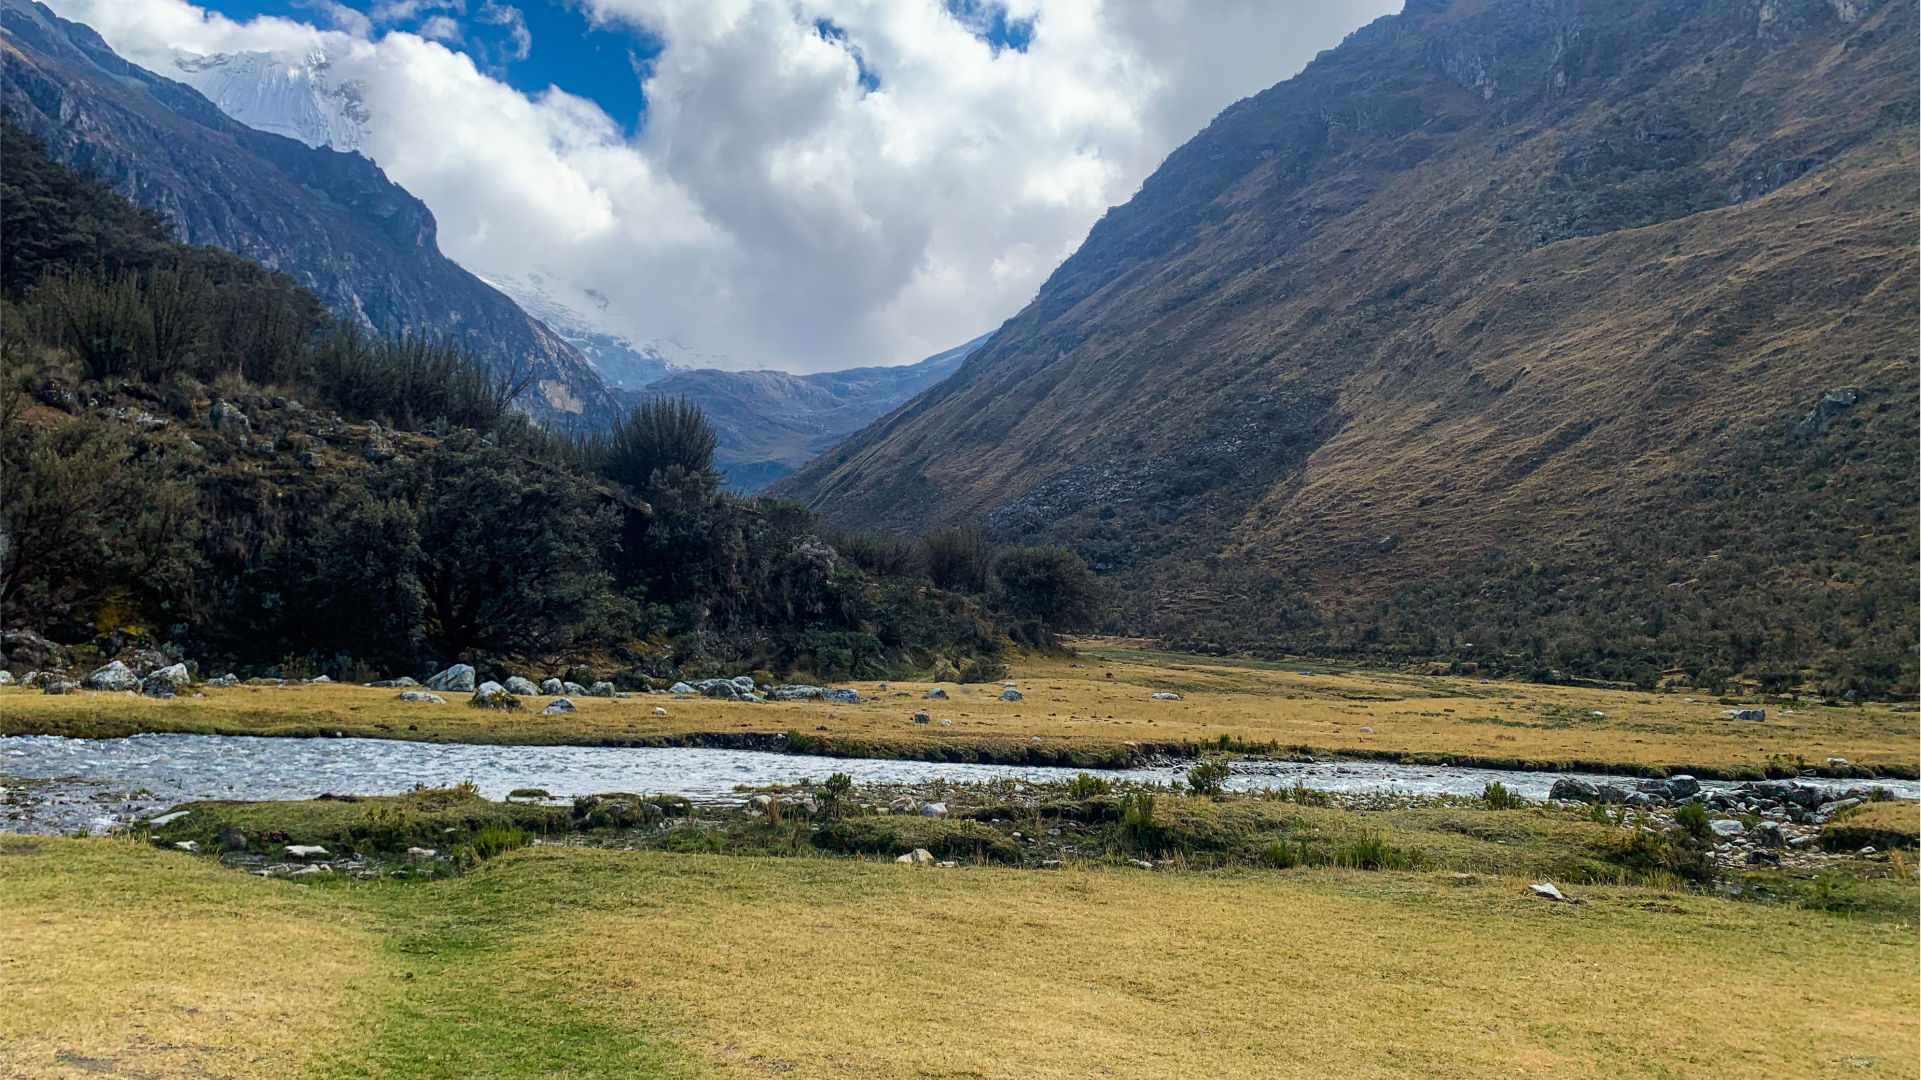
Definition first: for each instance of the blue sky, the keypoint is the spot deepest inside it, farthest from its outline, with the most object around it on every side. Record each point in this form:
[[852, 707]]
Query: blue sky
[[564, 47]]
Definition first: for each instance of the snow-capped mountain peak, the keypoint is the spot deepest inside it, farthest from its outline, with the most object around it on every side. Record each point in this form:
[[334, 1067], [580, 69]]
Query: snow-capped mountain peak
[[301, 97]]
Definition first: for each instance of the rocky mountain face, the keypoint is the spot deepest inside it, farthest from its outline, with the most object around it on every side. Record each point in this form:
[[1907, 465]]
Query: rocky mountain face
[[332, 220], [770, 422], [1490, 334]]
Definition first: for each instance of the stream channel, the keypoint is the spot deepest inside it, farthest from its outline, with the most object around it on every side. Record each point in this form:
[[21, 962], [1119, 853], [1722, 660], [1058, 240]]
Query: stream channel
[[58, 785]]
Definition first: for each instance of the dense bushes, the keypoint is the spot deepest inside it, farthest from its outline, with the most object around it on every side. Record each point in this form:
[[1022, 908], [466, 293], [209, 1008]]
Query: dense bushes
[[193, 454]]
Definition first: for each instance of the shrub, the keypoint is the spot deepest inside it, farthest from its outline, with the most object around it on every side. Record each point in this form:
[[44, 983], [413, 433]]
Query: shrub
[[1047, 586], [498, 700], [1372, 852], [958, 560], [1207, 777], [658, 434], [497, 838], [1693, 819], [1280, 856], [1498, 797], [1087, 785]]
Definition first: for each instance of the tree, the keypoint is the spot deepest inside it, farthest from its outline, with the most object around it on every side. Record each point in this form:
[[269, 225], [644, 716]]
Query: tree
[[1048, 586], [958, 560], [658, 434], [510, 557]]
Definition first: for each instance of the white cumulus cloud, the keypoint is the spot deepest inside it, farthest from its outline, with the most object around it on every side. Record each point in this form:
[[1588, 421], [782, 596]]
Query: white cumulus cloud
[[818, 183]]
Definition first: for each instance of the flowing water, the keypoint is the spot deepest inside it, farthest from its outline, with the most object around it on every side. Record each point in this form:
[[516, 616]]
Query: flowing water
[[62, 785]]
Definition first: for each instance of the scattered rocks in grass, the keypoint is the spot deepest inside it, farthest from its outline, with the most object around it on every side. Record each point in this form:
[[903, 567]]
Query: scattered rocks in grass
[[561, 705], [1745, 714], [521, 687], [459, 677], [422, 696]]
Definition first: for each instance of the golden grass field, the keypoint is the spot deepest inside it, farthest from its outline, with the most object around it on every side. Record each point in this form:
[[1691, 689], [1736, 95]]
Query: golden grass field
[[1096, 701], [124, 960]]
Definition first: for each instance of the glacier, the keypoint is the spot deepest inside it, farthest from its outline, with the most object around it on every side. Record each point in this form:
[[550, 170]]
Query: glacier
[[301, 97]]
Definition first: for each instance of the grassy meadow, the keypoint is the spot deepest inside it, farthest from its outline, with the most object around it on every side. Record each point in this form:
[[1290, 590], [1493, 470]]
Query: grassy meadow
[[1090, 709], [124, 959]]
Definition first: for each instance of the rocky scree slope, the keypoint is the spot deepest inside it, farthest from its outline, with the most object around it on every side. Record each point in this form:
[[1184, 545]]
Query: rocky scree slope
[[331, 220], [1495, 332]]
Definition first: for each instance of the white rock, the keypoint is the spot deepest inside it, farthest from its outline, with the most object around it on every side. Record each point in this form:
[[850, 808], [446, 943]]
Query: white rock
[[520, 687], [315, 679], [164, 818], [422, 695], [658, 711], [113, 676], [936, 694], [681, 688], [1548, 890], [917, 857], [933, 809], [420, 854], [1727, 827], [552, 688], [459, 677], [188, 845], [305, 851], [177, 674], [1164, 696], [6, 678], [489, 687]]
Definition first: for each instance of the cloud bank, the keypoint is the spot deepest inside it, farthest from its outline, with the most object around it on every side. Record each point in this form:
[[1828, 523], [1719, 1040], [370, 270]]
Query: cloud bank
[[817, 184]]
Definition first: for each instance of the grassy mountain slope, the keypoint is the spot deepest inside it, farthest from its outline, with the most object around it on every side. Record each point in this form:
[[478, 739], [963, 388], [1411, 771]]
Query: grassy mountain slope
[[1495, 326]]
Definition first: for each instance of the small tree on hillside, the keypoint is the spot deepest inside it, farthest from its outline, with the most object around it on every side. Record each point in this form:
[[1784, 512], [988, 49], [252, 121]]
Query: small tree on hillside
[[1047, 590]]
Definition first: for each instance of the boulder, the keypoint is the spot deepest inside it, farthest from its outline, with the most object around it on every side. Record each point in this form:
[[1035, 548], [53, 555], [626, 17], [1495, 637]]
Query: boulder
[[936, 694], [6, 678], [844, 697], [1572, 790], [1745, 714], [320, 679], [760, 803], [551, 688], [917, 857], [658, 711], [922, 718], [601, 689], [60, 686], [305, 851], [1683, 786], [1770, 834], [522, 687], [401, 683], [494, 696], [573, 688], [681, 688], [157, 685], [933, 809], [795, 692], [422, 695], [459, 678], [1165, 696], [225, 417], [557, 706], [114, 676], [1011, 695], [230, 838], [1728, 828], [1808, 796], [1547, 889]]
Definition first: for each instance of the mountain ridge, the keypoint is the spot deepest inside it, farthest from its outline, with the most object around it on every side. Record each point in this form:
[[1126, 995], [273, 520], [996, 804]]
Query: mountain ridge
[[330, 219], [1480, 283]]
